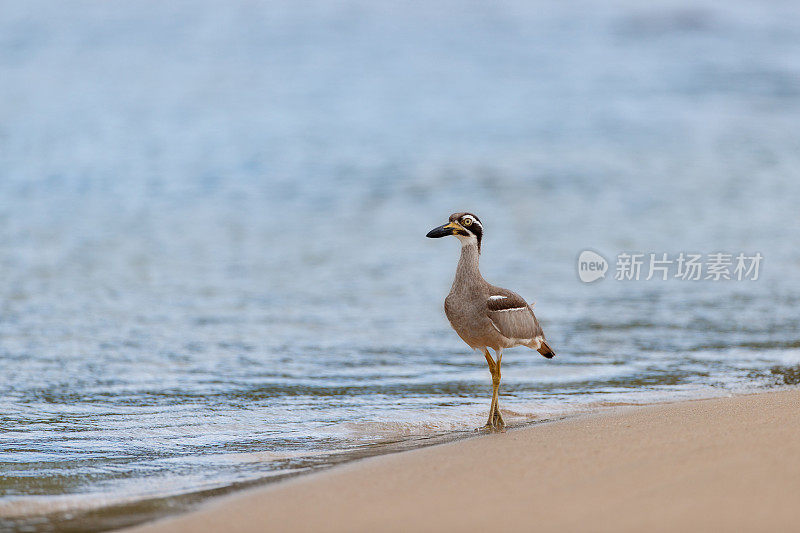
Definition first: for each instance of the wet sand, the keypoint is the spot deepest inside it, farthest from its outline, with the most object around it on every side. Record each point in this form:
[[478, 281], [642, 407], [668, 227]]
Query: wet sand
[[726, 464]]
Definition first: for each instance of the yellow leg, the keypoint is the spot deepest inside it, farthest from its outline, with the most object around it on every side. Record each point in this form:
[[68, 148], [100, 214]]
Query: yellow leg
[[495, 421], [499, 423]]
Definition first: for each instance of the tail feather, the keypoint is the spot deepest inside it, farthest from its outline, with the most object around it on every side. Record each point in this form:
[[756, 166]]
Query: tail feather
[[546, 350]]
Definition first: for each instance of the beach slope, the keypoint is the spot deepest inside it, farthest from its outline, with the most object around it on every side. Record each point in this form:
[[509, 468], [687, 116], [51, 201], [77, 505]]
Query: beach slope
[[726, 464]]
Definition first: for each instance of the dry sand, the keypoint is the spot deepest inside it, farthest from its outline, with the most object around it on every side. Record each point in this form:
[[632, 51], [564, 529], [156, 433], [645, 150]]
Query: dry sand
[[728, 464]]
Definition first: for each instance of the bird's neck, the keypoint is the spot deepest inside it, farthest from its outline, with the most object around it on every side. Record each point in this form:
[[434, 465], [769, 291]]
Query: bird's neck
[[467, 271]]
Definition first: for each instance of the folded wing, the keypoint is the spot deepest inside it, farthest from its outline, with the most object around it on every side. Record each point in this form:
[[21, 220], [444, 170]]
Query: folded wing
[[512, 316], [514, 319]]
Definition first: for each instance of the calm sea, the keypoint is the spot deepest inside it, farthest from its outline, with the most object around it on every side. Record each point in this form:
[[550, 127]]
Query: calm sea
[[213, 263]]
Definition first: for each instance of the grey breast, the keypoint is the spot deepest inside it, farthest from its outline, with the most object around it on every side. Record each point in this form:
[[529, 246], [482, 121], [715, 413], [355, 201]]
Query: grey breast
[[466, 310]]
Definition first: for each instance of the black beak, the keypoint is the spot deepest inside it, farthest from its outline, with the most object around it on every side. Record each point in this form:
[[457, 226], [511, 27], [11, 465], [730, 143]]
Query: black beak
[[441, 231]]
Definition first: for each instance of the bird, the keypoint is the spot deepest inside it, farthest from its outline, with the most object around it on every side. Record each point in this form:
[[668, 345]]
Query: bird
[[486, 316]]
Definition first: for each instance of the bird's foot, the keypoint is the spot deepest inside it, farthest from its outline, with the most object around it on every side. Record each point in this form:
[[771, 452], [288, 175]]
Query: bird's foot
[[495, 422], [499, 423]]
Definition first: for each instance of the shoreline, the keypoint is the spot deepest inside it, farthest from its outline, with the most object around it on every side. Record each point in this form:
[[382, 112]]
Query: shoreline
[[730, 463]]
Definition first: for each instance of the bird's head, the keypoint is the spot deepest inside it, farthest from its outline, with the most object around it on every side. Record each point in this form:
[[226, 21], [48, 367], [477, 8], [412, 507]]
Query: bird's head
[[466, 226]]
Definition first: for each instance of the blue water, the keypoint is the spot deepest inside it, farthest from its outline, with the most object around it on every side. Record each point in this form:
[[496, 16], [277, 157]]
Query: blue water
[[212, 228]]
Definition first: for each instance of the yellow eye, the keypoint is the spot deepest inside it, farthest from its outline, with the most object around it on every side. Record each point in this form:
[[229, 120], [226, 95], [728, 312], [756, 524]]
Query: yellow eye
[[466, 221]]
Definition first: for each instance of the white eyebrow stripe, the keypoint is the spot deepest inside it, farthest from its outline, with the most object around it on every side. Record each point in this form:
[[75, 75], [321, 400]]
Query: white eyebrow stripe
[[496, 297]]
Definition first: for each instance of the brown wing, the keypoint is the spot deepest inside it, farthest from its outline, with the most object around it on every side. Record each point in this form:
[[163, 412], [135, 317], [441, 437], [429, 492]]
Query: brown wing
[[512, 316]]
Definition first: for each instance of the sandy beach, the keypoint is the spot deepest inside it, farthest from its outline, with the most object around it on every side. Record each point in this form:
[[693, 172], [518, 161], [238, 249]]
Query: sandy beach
[[725, 464]]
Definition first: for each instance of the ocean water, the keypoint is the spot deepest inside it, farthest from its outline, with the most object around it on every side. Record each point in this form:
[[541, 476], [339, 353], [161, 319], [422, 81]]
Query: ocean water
[[213, 214]]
